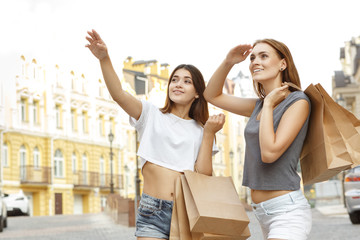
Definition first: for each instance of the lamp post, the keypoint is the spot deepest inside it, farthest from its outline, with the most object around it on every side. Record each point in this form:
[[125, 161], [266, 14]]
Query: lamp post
[[111, 139]]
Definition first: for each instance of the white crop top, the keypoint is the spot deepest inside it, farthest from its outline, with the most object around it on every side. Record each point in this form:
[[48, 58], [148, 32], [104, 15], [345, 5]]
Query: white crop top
[[167, 140]]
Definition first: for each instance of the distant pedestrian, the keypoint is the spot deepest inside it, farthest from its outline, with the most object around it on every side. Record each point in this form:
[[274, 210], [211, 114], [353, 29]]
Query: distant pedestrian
[[274, 135], [175, 138]]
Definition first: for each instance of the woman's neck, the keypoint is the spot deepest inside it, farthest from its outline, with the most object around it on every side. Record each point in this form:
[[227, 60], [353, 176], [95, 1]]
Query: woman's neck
[[270, 85], [181, 111]]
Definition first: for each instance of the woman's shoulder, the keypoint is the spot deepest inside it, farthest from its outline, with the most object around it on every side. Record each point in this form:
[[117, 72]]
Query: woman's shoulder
[[298, 95]]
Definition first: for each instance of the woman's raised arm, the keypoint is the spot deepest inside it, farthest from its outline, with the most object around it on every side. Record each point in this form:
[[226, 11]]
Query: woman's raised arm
[[129, 103], [213, 92]]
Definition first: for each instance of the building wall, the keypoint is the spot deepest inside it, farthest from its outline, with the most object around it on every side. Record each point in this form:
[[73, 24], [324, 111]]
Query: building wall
[[347, 91]]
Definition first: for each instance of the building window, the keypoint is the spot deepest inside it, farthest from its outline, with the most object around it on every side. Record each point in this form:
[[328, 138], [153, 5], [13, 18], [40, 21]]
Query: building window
[[101, 125], [58, 115], [101, 89], [85, 122], [83, 81], [84, 162], [84, 169], [22, 162], [24, 110], [5, 155], [58, 164], [36, 112], [36, 158], [74, 162], [112, 124], [73, 120]]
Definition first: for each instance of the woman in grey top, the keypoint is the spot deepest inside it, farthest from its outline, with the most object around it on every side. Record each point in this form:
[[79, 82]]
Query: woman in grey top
[[274, 135]]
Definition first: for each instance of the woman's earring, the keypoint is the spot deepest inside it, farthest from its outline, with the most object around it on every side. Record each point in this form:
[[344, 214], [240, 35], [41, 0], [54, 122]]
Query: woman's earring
[[281, 69]]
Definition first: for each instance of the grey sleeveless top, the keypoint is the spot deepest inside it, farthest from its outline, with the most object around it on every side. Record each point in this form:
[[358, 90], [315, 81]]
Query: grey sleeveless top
[[281, 174]]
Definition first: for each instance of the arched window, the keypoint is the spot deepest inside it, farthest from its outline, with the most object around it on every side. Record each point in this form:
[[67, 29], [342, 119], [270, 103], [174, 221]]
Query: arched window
[[58, 164], [36, 157], [74, 162]]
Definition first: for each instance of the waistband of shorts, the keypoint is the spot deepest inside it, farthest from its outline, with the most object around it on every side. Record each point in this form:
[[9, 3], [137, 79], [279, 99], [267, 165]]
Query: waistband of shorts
[[155, 201], [275, 201]]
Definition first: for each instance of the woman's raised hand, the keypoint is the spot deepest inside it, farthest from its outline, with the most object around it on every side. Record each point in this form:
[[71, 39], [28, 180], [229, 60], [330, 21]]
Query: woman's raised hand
[[238, 53], [96, 45]]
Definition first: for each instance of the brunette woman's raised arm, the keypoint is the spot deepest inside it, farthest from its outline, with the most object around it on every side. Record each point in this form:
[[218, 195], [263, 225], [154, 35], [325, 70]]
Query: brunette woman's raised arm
[[129, 103]]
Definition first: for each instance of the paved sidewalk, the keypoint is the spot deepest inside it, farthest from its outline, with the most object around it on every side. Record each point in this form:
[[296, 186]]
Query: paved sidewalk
[[338, 209], [64, 227]]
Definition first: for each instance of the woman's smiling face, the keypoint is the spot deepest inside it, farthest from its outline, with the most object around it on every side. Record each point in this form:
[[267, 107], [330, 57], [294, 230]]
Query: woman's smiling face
[[181, 88], [265, 63]]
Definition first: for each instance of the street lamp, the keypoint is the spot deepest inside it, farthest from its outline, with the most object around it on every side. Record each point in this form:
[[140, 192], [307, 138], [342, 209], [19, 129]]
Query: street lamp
[[111, 139]]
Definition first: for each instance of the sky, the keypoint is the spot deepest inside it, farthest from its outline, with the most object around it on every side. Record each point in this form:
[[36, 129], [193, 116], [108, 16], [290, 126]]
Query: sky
[[198, 32]]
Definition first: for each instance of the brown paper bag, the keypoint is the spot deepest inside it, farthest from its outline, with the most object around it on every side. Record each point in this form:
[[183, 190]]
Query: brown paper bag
[[180, 229], [324, 153], [213, 205], [344, 123]]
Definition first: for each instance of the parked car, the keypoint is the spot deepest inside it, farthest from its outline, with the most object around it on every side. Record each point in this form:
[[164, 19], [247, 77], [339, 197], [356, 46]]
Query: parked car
[[17, 204], [352, 194], [3, 213]]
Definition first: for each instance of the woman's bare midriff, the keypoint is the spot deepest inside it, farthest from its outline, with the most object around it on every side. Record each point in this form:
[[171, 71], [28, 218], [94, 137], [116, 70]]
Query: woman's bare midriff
[[159, 182], [258, 196]]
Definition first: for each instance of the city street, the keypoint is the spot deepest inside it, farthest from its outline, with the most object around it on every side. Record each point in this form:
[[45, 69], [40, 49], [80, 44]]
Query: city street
[[330, 223]]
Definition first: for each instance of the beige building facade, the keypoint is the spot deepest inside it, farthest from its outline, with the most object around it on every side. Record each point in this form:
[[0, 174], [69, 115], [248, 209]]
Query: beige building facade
[[346, 82]]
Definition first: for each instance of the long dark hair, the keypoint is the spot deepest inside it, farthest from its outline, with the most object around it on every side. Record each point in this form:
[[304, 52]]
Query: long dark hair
[[290, 74], [199, 109]]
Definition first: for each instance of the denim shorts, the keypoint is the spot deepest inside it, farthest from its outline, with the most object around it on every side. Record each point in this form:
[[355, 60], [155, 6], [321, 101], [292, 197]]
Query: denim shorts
[[153, 218], [285, 217]]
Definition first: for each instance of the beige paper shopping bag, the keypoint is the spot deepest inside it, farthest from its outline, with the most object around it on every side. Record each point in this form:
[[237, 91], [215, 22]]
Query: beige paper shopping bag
[[180, 229], [213, 205], [344, 122], [324, 153]]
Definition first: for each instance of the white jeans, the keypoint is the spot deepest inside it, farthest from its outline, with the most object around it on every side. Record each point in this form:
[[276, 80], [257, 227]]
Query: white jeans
[[285, 217]]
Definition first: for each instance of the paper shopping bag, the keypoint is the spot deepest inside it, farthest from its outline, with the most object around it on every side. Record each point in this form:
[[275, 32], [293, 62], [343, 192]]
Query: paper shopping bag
[[213, 205], [343, 120], [324, 152], [180, 229]]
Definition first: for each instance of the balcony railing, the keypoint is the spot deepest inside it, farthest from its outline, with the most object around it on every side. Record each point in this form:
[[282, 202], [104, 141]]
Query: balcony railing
[[32, 174], [86, 179], [117, 180]]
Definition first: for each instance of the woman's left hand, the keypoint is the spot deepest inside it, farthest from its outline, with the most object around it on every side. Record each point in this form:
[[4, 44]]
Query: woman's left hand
[[214, 123], [276, 95]]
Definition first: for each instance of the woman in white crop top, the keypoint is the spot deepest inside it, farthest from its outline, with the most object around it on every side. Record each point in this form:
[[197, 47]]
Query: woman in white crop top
[[278, 118], [175, 138]]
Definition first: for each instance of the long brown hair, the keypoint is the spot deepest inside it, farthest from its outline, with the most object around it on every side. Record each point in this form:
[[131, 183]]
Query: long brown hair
[[199, 108], [290, 74]]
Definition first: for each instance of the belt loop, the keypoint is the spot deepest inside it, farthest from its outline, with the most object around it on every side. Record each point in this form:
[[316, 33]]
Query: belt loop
[[292, 197], [160, 206]]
